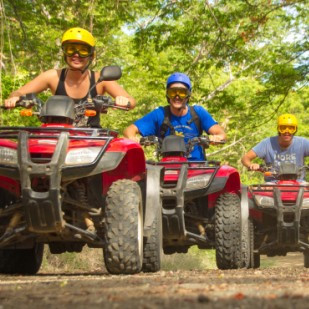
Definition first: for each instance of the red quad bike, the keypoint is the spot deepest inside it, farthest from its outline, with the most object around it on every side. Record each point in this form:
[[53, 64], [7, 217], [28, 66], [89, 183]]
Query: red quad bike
[[201, 203], [279, 214], [68, 187]]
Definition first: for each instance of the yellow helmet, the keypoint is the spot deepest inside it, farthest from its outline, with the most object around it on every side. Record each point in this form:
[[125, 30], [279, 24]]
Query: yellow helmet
[[79, 35], [285, 121]]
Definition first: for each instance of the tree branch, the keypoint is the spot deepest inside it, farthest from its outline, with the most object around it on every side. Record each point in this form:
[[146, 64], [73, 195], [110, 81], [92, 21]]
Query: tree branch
[[231, 145]]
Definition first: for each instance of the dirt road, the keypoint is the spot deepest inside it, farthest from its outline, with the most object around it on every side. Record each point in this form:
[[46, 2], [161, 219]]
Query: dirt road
[[280, 283]]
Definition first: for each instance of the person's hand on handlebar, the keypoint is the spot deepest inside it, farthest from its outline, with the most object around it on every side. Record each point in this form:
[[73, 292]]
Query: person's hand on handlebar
[[11, 102], [216, 138], [254, 167], [122, 101]]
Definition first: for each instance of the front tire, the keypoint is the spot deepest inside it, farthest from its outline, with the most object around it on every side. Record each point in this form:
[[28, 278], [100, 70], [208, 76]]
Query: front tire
[[228, 240], [123, 227]]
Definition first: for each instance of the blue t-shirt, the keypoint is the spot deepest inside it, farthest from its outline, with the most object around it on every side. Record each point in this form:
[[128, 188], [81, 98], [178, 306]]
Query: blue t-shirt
[[151, 123], [270, 151]]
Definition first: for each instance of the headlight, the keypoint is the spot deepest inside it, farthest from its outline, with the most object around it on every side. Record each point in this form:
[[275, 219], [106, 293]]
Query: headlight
[[8, 156], [198, 182], [306, 203], [82, 156], [264, 201]]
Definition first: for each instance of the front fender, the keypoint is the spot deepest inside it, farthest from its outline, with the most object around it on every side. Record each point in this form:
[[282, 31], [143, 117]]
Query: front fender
[[132, 166], [227, 179], [244, 206]]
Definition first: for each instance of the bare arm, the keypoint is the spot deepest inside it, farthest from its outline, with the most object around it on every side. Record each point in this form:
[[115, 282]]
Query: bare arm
[[37, 85], [247, 158], [116, 91], [130, 132], [217, 133]]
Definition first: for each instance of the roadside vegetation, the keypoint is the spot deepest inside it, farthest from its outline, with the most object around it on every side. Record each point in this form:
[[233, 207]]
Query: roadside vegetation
[[91, 260]]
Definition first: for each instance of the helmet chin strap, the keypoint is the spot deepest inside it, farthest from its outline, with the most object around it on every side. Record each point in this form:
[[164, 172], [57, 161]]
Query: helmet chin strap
[[87, 66]]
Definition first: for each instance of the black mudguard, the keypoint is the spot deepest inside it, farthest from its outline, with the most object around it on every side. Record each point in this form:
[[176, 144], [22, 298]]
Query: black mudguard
[[153, 199]]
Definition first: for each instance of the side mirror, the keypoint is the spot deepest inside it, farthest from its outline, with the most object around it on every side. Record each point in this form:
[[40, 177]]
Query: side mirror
[[112, 72]]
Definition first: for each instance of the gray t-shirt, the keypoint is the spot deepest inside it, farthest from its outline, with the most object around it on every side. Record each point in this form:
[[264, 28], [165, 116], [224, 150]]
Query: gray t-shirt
[[270, 151]]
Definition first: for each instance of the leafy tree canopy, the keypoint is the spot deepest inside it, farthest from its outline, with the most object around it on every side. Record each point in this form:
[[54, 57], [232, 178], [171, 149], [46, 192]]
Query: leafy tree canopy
[[248, 60]]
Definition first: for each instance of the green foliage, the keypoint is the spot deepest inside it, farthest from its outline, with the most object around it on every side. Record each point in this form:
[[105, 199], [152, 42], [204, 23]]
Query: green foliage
[[195, 259], [89, 260]]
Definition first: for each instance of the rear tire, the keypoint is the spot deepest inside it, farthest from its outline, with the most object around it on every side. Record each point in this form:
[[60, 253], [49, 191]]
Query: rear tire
[[306, 259], [229, 251], [247, 246], [123, 227], [21, 261], [256, 260], [153, 246], [251, 239]]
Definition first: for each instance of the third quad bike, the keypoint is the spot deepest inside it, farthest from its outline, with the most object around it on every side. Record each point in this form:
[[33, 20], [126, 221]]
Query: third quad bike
[[68, 186], [279, 214], [201, 202]]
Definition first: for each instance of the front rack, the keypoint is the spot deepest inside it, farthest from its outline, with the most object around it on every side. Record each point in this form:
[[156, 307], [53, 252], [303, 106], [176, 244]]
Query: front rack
[[12, 132]]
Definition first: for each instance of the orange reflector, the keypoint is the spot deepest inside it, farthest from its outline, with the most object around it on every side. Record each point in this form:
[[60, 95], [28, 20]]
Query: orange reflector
[[268, 173], [26, 112], [90, 112]]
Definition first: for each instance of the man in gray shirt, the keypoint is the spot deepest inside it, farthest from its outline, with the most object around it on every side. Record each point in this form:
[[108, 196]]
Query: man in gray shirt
[[282, 148]]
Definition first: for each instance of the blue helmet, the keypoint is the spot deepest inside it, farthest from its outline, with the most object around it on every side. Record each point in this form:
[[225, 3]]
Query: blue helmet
[[179, 78]]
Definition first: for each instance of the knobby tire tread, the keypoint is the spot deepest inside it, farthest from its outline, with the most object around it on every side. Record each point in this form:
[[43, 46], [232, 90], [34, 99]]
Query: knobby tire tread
[[121, 249], [228, 232], [153, 246]]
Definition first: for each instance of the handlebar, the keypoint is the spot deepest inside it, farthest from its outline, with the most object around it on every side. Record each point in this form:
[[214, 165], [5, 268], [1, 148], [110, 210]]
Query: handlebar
[[282, 172], [103, 102], [149, 140], [204, 141], [27, 101], [100, 103], [264, 168]]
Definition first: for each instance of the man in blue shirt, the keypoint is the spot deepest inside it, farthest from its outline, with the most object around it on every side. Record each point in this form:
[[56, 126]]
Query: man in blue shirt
[[282, 148], [178, 91]]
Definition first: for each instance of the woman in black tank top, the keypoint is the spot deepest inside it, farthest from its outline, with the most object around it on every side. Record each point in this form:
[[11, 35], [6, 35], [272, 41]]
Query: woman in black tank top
[[76, 80], [93, 122]]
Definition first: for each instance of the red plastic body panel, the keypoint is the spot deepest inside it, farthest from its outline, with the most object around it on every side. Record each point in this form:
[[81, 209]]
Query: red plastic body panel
[[132, 166], [287, 195], [229, 173], [10, 185]]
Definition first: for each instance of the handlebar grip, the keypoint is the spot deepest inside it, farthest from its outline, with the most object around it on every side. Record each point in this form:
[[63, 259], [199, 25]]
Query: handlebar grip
[[148, 140], [20, 103]]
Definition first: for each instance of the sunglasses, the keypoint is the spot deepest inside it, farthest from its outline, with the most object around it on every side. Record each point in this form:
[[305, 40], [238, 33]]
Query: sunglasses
[[82, 50], [288, 129], [182, 93]]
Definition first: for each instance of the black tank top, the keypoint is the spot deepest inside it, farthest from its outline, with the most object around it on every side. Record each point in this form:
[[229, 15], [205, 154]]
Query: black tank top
[[92, 121]]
